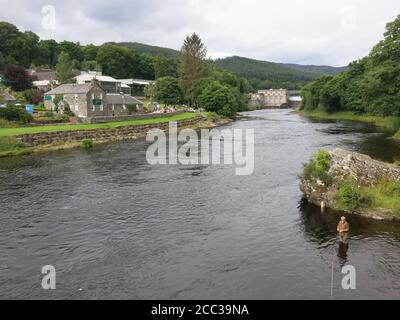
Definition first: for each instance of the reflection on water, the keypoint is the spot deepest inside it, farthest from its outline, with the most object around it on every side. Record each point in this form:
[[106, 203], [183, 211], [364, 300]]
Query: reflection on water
[[116, 227]]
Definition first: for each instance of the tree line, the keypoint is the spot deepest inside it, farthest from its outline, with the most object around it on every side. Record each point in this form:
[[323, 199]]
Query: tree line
[[371, 85], [188, 79]]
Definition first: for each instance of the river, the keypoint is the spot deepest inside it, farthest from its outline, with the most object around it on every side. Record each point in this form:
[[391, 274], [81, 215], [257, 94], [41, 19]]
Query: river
[[115, 227]]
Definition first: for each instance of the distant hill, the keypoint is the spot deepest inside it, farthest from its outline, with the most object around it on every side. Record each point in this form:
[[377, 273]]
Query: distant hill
[[260, 73], [150, 50], [323, 70]]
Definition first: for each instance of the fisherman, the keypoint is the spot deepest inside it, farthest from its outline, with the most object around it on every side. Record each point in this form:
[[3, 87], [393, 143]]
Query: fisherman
[[343, 229]]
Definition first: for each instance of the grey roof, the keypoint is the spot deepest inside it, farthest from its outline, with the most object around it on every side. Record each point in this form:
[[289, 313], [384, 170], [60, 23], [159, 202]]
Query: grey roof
[[43, 74], [113, 98], [71, 88], [8, 97]]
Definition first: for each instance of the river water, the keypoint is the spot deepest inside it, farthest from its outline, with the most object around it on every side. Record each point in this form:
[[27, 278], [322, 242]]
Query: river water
[[115, 227]]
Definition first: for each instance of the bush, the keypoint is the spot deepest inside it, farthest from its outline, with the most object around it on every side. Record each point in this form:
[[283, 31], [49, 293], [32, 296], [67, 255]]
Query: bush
[[87, 143], [8, 124], [351, 198], [318, 167], [131, 108], [15, 114], [219, 98]]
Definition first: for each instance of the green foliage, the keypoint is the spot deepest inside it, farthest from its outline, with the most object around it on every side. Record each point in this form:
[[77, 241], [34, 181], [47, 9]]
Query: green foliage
[[168, 90], [165, 67], [15, 114], [10, 143], [371, 85], [64, 68], [318, 167], [263, 74], [192, 65], [131, 108], [17, 78], [219, 98], [87, 143], [352, 197]]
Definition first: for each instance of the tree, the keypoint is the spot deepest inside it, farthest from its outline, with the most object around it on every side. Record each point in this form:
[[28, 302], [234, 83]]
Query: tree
[[90, 52], [150, 91], [219, 98], [118, 62], [168, 90], [192, 64], [64, 68], [197, 89], [73, 50], [17, 78], [165, 67], [145, 69], [48, 52]]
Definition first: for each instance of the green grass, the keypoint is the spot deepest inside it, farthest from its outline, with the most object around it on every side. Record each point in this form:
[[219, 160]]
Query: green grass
[[397, 135], [392, 123], [4, 132], [385, 194]]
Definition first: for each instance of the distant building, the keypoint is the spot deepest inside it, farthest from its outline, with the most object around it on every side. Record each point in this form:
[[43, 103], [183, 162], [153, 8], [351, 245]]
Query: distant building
[[118, 103], [44, 85], [42, 74], [109, 84], [274, 98], [137, 86], [90, 100]]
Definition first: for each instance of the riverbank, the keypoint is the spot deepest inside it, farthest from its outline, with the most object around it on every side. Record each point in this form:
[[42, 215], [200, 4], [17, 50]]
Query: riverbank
[[389, 123], [26, 140], [354, 183]]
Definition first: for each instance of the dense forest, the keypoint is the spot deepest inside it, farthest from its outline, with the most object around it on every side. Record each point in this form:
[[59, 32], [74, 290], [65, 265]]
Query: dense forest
[[371, 85]]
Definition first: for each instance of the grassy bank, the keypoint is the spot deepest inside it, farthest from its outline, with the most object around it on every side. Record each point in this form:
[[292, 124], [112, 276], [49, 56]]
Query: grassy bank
[[11, 146], [390, 123], [68, 127]]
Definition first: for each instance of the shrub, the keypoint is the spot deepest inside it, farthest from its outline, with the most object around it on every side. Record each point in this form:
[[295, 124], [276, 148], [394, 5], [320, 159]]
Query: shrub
[[131, 108], [87, 143], [7, 124], [318, 167], [351, 198], [15, 114]]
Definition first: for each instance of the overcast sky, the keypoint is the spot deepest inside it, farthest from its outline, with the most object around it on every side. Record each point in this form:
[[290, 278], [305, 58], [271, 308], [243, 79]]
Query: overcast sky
[[333, 32]]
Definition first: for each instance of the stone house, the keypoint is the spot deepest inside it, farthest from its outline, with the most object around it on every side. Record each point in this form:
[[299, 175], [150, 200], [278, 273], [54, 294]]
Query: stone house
[[90, 100]]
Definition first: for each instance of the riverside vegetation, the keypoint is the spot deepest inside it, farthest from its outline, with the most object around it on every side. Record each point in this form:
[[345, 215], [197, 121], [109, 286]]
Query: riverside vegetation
[[352, 182], [368, 91], [11, 143]]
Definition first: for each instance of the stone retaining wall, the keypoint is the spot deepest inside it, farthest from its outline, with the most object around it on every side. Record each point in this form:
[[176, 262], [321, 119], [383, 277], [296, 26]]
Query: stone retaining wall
[[106, 134], [361, 168], [134, 116]]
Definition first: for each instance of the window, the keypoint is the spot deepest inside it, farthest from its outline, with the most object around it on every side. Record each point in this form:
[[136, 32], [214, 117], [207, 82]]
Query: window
[[76, 107], [101, 107], [93, 108]]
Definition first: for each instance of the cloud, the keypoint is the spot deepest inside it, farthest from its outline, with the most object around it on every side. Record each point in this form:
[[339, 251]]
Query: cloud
[[297, 31]]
